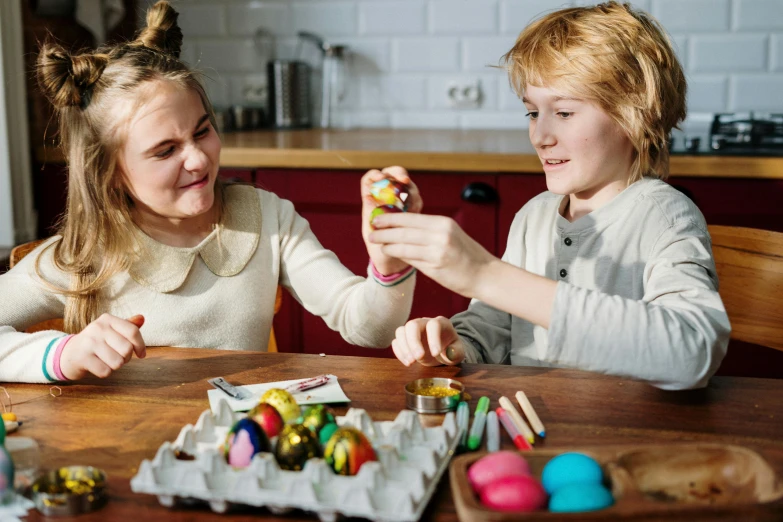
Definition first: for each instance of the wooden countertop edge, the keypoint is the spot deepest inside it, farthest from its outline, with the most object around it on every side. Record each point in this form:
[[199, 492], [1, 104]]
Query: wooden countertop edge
[[256, 157]]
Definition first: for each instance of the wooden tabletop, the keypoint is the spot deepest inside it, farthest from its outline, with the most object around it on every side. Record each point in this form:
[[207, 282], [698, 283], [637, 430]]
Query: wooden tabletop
[[116, 423], [491, 151]]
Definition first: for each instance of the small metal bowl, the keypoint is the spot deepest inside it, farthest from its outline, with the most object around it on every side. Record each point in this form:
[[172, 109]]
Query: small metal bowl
[[70, 490], [427, 403]]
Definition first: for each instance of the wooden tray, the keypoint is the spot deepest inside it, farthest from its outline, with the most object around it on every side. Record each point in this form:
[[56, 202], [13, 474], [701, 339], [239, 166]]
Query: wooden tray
[[652, 482]]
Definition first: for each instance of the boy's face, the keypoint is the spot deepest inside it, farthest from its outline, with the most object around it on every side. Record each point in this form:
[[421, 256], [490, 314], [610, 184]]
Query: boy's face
[[584, 152], [171, 156]]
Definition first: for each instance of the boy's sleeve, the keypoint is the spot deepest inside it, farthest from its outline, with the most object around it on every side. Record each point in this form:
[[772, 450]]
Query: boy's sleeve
[[486, 333], [675, 337], [25, 302], [365, 311]]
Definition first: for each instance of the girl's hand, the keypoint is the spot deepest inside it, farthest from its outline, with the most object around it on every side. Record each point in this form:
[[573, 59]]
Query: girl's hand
[[105, 345], [431, 342], [384, 263], [436, 246]]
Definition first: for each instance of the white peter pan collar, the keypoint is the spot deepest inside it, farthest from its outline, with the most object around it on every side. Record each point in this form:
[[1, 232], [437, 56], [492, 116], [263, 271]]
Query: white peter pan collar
[[225, 251]]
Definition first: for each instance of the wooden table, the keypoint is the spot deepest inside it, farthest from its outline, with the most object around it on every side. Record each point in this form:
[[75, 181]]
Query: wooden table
[[116, 423]]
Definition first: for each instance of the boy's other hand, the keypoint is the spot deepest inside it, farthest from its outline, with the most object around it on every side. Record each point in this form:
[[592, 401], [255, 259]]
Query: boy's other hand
[[428, 341], [384, 263], [104, 346]]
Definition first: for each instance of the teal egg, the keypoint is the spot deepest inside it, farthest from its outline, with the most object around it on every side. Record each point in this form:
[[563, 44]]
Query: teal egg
[[570, 468], [574, 498], [326, 432]]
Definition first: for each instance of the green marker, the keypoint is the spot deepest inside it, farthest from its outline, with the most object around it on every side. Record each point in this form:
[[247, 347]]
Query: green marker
[[477, 430]]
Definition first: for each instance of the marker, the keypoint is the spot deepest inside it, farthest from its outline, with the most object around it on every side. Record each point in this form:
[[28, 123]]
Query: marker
[[463, 419], [522, 426], [511, 429], [530, 413], [477, 430], [308, 384], [493, 432]]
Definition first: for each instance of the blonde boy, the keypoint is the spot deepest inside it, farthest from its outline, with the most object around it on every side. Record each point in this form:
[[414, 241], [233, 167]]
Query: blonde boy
[[611, 270]]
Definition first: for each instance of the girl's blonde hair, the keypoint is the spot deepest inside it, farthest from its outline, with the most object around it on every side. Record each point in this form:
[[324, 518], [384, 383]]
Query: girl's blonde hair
[[617, 57], [98, 233]]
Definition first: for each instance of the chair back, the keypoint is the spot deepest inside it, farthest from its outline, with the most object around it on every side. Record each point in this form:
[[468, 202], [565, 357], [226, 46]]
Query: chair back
[[750, 271]]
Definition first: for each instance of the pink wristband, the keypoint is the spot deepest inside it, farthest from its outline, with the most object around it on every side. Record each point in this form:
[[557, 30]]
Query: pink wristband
[[391, 279], [57, 353]]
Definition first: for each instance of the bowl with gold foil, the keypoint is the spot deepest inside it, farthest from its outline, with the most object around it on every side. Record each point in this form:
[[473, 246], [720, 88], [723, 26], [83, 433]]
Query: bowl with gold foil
[[70, 490], [433, 395]]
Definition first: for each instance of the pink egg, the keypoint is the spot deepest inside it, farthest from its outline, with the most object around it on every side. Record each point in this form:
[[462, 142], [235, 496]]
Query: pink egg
[[496, 465], [514, 493]]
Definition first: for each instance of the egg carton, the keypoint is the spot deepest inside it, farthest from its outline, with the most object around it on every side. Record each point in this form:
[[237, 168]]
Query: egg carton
[[395, 488]]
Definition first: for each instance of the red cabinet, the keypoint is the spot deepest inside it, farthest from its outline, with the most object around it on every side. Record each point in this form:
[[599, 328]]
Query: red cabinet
[[330, 201]]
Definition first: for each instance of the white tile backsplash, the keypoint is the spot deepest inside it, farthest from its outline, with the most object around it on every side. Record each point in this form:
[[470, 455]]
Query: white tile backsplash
[[326, 18], [692, 15], [707, 93], [395, 18], [435, 54], [203, 20], [516, 14], [403, 51], [479, 53], [246, 19], [460, 17], [728, 53], [757, 92], [755, 15]]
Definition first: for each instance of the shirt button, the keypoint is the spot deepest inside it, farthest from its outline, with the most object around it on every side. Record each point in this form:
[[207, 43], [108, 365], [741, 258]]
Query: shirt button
[[563, 272], [567, 241]]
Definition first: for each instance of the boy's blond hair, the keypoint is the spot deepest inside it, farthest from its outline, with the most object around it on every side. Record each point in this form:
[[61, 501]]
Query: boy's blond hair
[[95, 95], [617, 57]]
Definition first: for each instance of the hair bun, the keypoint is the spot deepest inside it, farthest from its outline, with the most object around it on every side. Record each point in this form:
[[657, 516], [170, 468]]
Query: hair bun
[[66, 79], [162, 32]]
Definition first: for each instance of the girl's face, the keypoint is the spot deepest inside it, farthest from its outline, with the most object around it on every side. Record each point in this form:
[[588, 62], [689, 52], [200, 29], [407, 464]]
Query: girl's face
[[171, 157], [582, 149]]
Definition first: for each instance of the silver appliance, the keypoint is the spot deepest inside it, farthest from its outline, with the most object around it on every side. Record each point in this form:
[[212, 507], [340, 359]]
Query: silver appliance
[[289, 94]]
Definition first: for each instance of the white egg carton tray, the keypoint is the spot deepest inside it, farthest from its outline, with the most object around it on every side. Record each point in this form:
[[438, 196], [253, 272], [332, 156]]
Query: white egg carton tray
[[396, 488]]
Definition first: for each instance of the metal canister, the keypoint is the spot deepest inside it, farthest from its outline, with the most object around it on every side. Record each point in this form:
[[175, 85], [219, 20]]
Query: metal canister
[[289, 94]]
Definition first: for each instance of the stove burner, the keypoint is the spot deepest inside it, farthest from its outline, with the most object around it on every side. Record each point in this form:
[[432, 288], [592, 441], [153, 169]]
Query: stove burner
[[748, 132]]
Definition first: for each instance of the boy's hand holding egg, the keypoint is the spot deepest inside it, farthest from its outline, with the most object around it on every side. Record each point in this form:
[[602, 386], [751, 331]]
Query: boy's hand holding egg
[[383, 191]]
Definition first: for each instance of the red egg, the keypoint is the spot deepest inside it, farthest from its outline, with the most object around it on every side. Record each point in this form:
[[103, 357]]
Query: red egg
[[496, 465], [515, 493], [268, 418]]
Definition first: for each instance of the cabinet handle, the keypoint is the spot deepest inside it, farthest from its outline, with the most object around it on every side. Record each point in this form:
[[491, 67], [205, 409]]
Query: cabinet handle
[[479, 192]]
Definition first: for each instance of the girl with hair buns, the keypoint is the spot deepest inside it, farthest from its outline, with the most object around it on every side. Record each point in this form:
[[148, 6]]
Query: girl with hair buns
[[611, 270], [149, 230]]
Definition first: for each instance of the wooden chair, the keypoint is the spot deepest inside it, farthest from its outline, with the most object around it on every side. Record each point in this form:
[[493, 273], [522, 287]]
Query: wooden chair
[[750, 271], [57, 324]]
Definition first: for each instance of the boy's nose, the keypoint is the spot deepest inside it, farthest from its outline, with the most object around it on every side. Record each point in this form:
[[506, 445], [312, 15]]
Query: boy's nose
[[541, 134]]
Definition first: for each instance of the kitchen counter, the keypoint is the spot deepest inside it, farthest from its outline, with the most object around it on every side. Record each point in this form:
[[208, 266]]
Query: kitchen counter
[[493, 151]]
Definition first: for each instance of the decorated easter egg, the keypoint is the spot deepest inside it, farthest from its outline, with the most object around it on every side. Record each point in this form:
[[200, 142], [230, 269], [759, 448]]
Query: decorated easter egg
[[570, 468], [283, 402], [316, 417], [514, 493], [347, 450], [243, 441], [390, 192], [495, 466], [573, 498], [326, 432], [296, 444], [268, 418]]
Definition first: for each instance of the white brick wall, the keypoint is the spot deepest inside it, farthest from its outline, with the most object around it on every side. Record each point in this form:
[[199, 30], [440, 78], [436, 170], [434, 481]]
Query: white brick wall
[[407, 53]]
